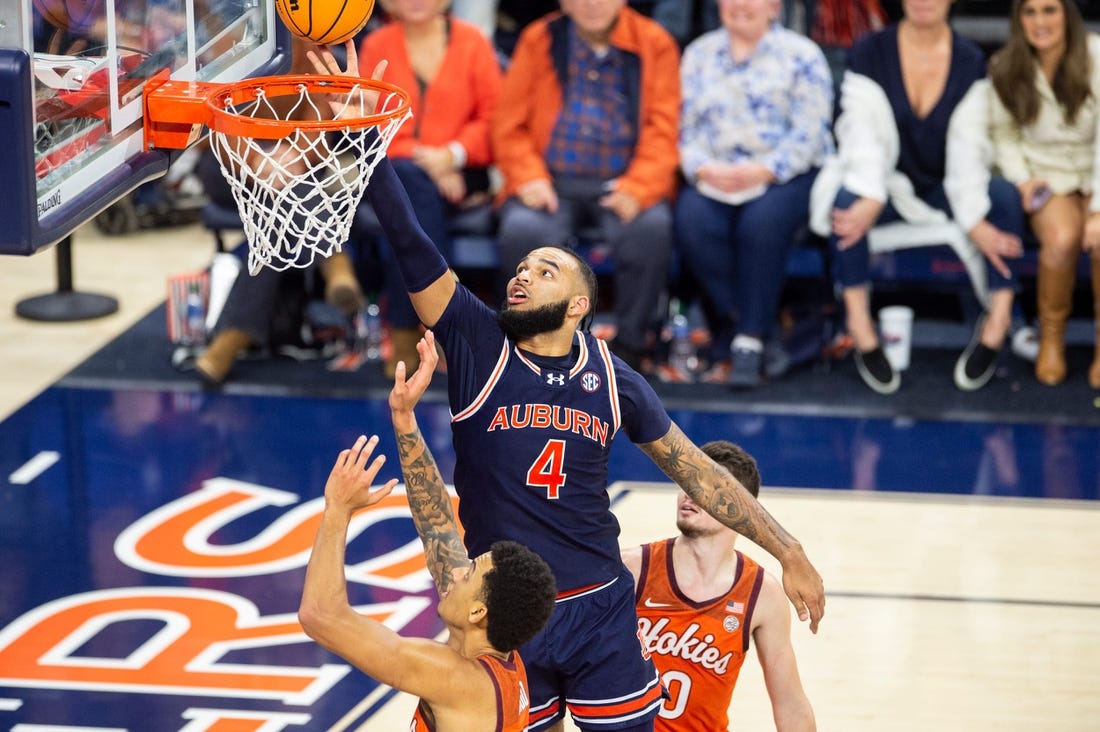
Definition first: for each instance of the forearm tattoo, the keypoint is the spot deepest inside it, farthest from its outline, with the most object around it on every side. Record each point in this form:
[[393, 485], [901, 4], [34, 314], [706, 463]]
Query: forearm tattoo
[[431, 510], [715, 490]]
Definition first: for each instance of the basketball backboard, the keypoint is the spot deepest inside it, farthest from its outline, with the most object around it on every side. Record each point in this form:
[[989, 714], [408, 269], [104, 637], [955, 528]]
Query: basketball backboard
[[71, 80]]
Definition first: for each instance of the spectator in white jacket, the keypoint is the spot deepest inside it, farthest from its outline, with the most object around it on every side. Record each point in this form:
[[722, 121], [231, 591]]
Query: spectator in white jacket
[[1044, 119], [900, 90]]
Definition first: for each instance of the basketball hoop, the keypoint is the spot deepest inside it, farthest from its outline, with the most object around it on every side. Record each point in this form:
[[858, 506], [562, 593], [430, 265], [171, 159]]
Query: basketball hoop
[[297, 182]]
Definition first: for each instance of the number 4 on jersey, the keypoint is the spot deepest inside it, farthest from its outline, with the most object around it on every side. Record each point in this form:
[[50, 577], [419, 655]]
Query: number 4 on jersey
[[546, 472]]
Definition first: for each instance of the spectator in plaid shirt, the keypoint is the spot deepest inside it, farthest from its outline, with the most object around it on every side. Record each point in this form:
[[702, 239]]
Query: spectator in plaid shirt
[[585, 134]]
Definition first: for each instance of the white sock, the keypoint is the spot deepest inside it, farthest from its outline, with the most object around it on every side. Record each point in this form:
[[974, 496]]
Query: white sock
[[747, 343]]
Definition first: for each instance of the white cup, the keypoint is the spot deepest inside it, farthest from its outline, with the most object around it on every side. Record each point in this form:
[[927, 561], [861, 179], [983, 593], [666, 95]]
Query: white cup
[[896, 326]]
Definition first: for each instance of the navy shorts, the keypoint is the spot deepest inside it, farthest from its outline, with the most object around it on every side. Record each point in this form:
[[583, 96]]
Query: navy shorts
[[589, 660]]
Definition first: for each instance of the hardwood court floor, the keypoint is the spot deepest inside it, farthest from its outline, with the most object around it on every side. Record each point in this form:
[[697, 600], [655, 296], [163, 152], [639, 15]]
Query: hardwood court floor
[[944, 612], [963, 593]]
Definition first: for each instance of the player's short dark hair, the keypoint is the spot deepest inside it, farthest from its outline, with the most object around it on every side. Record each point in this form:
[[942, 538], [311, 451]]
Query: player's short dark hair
[[734, 459], [588, 277], [519, 593]]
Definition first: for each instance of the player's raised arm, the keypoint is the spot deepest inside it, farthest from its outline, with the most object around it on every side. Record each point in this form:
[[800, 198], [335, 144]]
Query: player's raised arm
[[347, 490], [425, 271], [722, 496], [325, 613], [433, 671], [429, 502]]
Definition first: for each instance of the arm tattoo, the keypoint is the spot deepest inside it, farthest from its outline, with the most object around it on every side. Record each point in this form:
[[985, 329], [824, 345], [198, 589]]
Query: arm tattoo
[[715, 490], [431, 509]]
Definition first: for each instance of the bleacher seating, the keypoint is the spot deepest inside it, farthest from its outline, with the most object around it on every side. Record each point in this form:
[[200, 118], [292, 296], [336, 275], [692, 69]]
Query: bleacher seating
[[905, 256]]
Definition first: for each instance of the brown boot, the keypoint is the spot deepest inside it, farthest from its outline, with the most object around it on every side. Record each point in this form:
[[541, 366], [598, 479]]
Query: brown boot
[[404, 342], [214, 363], [1055, 303], [1094, 370], [341, 285]]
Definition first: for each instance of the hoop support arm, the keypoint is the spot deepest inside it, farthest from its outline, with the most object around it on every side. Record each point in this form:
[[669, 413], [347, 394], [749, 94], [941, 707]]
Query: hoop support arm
[[175, 111]]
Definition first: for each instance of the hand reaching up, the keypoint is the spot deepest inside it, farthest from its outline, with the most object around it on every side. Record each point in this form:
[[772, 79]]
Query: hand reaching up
[[325, 64], [406, 393], [349, 484]]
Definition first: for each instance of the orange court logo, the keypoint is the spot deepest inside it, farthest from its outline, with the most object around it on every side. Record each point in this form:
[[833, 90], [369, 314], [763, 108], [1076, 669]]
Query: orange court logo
[[193, 632]]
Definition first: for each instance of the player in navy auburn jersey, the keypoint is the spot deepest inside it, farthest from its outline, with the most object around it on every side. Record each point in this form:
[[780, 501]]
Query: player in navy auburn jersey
[[699, 602], [535, 404]]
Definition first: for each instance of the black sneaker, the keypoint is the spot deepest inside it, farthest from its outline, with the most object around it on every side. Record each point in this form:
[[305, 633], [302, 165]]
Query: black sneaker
[[876, 370], [977, 363], [748, 368]]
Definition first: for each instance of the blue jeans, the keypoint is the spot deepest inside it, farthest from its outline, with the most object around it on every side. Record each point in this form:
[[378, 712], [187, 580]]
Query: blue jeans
[[852, 265], [738, 254]]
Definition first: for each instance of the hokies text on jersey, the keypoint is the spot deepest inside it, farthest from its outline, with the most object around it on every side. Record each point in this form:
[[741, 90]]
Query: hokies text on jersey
[[686, 645]]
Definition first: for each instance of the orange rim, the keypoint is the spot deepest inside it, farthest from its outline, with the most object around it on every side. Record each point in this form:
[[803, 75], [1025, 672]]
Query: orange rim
[[245, 91]]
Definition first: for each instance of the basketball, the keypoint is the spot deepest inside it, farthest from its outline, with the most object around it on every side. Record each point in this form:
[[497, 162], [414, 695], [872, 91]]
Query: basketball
[[68, 15], [326, 22]]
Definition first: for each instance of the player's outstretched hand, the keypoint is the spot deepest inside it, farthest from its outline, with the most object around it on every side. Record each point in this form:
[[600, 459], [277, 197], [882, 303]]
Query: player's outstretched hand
[[406, 394], [349, 483], [805, 589], [325, 64]]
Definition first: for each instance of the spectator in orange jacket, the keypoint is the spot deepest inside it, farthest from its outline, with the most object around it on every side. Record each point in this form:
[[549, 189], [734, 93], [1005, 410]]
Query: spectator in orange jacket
[[585, 134]]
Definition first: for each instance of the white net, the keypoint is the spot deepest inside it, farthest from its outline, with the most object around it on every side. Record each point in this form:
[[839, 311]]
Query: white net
[[297, 195]]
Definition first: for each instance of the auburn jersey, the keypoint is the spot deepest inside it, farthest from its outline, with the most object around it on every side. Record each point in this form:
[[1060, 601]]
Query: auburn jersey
[[513, 703], [532, 437], [698, 647]]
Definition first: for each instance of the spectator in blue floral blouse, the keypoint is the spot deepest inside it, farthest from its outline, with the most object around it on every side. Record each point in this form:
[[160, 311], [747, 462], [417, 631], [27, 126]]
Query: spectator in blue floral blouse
[[755, 125]]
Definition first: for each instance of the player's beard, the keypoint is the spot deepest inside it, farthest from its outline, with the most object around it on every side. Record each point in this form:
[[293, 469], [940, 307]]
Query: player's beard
[[522, 324]]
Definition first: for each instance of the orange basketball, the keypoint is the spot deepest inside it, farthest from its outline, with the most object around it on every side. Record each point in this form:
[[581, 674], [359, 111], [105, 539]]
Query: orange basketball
[[68, 15], [325, 21]]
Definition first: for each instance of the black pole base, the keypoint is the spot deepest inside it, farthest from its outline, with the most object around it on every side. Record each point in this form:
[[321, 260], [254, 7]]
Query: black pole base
[[64, 307]]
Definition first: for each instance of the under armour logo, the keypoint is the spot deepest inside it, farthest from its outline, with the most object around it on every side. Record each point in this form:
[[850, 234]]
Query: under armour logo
[[555, 379]]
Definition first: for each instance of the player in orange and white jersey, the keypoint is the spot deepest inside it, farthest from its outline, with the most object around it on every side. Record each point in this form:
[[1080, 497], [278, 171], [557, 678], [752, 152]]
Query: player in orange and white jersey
[[491, 605], [699, 602]]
